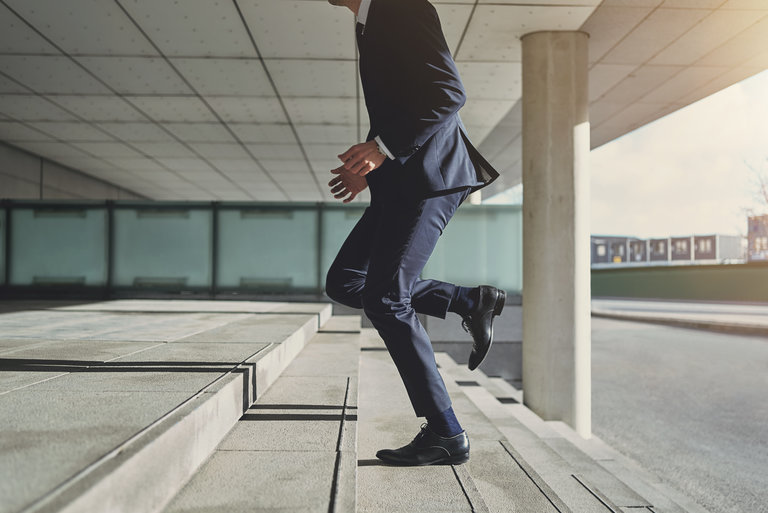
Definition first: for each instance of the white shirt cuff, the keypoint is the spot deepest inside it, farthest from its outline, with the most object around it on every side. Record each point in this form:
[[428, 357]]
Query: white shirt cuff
[[383, 147]]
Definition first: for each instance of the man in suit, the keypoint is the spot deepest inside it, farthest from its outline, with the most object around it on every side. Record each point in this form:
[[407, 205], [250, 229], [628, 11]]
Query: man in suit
[[420, 166]]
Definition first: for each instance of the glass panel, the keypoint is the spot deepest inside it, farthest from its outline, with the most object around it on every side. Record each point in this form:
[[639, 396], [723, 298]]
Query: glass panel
[[2, 246], [481, 245], [51, 246], [269, 249], [164, 248], [337, 223]]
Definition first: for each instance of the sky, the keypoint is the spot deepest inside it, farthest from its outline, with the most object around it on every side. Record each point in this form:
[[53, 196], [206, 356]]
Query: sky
[[686, 173]]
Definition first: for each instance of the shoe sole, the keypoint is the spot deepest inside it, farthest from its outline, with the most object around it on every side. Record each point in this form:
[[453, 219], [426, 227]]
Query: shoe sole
[[452, 460]]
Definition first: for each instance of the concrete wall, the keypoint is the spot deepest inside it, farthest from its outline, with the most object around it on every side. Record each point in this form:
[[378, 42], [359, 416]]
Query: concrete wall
[[26, 176], [737, 282]]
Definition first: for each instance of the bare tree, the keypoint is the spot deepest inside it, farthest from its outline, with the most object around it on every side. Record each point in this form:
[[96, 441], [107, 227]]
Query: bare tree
[[760, 191]]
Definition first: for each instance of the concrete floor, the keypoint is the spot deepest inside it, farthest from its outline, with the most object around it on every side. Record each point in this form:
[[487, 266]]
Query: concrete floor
[[688, 405]]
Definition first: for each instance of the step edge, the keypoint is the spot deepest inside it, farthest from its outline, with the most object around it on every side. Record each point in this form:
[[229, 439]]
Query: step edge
[[92, 485]]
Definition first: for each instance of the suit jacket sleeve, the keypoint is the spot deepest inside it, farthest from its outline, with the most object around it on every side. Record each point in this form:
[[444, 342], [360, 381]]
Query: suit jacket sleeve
[[428, 71]]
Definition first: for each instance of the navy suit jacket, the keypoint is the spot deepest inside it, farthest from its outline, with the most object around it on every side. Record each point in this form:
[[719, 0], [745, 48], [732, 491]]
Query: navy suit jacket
[[413, 94]]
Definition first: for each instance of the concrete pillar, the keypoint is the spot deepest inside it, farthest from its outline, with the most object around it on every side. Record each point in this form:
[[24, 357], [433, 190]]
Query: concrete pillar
[[556, 267]]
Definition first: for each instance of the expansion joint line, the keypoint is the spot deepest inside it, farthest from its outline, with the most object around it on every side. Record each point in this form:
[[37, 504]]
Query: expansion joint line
[[533, 480], [339, 441]]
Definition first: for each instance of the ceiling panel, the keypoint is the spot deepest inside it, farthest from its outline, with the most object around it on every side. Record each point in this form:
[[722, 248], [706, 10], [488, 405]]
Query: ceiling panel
[[200, 132], [737, 50], [609, 25], [9, 86], [491, 80], [239, 167], [286, 152], [14, 131], [226, 77], [136, 75], [164, 149], [656, 32], [284, 166], [50, 74], [173, 108], [140, 165], [314, 78], [600, 111], [343, 135], [485, 112], [453, 19], [682, 83], [300, 29], [85, 26], [494, 30], [32, 108], [17, 37], [603, 77], [220, 150], [638, 83], [248, 109], [51, 149], [263, 133], [311, 111], [193, 28], [136, 132], [186, 166], [324, 152], [706, 36], [323, 167], [107, 150], [72, 131], [477, 133], [100, 108], [310, 55]]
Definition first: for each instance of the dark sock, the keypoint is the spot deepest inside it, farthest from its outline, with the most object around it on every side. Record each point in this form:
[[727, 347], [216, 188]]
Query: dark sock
[[463, 301], [444, 423]]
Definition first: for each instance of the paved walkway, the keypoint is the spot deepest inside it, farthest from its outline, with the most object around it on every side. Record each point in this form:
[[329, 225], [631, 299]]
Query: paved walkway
[[749, 319], [689, 405]]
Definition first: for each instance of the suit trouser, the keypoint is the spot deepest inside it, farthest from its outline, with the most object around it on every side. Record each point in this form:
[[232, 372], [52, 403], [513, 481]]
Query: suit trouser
[[377, 269]]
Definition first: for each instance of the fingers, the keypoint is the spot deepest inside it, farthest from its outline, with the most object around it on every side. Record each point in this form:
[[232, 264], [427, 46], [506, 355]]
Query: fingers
[[334, 181]]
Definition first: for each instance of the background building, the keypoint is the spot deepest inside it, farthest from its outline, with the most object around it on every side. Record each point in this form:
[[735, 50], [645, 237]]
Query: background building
[[757, 238], [694, 249]]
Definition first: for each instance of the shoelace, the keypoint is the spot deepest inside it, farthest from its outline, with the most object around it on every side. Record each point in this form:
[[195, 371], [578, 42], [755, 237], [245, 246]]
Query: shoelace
[[465, 323], [421, 434]]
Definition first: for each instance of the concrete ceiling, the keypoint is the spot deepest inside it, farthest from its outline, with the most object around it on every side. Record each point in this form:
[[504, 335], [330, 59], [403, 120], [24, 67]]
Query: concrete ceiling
[[253, 99]]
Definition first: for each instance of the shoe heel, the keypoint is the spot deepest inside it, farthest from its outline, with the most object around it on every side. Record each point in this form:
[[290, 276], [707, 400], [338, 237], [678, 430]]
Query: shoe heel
[[500, 303], [457, 460]]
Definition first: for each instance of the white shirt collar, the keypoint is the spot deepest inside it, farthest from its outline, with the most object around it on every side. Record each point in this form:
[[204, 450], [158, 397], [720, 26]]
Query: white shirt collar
[[362, 12]]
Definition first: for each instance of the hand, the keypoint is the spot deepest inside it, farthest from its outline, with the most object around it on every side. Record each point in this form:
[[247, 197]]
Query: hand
[[346, 183], [362, 158]]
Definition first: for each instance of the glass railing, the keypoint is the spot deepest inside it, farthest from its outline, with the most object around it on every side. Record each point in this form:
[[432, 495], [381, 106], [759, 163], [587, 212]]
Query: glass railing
[[215, 248]]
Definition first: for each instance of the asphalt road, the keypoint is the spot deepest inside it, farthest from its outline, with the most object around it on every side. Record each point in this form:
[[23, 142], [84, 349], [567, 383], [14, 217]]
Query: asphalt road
[[690, 406]]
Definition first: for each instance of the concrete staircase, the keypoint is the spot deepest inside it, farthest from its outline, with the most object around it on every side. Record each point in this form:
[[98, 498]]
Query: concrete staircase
[[268, 407], [113, 406]]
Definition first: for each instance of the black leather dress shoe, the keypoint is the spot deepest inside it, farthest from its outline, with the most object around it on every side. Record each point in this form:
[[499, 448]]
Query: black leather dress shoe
[[479, 323], [428, 448]]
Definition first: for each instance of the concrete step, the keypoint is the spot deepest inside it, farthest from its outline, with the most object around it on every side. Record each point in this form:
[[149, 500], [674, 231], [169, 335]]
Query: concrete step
[[113, 407], [496, 478], [556, 453], [295, 449]]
